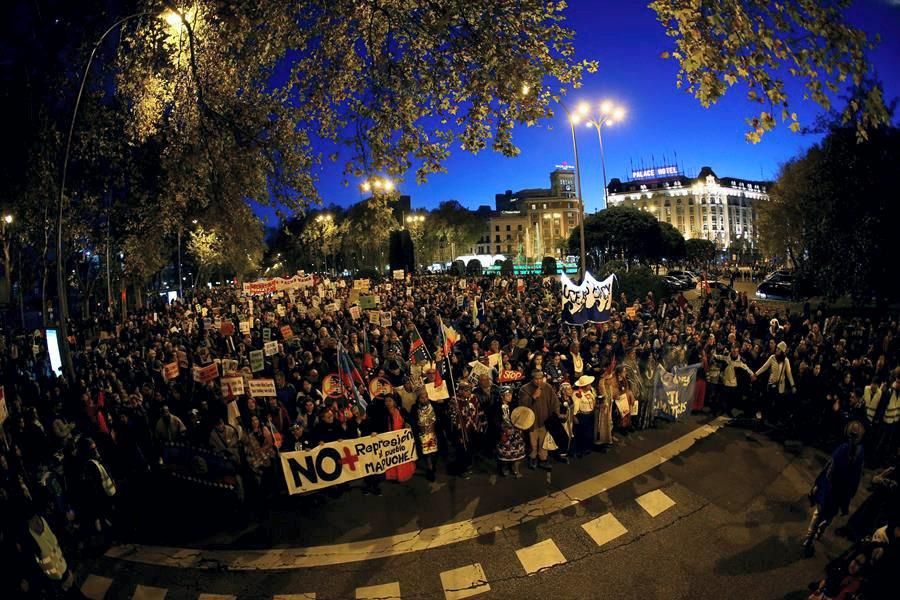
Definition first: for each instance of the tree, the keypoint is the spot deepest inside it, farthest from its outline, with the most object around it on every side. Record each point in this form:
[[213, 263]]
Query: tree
[[620, 231], [831, 211], [672, 244], [205, 248], [548, 266], [507, 267], [401, 251], [721, 42], [699, 251]]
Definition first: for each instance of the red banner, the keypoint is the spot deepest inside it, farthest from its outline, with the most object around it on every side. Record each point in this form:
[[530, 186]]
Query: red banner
[[206, 374]]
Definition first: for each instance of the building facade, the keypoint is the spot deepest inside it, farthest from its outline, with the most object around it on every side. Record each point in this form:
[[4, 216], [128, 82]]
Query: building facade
[[533, 223], [719, 209]]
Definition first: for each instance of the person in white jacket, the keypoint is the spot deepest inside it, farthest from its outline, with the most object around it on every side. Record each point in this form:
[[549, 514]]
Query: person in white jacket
[[731, 397], [779, 367]]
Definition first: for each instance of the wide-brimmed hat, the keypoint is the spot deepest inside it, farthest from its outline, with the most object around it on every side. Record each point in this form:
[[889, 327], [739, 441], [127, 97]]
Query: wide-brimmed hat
[[584, 380], [522, 417]]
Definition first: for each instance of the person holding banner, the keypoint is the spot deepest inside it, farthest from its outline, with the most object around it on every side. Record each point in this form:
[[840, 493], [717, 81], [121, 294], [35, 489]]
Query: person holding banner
[[397, 420]]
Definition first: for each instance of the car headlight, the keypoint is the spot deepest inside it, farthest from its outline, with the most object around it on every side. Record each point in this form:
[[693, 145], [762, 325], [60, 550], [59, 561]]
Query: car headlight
[[761, 295]]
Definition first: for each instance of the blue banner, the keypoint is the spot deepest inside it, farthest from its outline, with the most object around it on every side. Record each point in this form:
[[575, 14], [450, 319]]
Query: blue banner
[[673, 393]]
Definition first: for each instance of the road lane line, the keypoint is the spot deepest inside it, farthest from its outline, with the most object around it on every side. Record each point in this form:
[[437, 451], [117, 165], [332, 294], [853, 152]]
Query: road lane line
[[655, 502], [542, 555], [384, 591], [604, 529], [464, 582], [95, 587], [413, 541]]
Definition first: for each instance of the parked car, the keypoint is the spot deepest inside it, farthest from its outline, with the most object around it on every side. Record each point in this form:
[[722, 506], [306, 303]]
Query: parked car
[[687, 275], [776, 288], [717, 289], [675, 284]]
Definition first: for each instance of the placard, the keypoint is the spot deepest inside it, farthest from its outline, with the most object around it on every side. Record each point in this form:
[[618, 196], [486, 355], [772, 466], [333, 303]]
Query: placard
[[437, 393], [261, 388], [374, 317], [631, 312], [232, 386], [354, 312], [399, 274], [257, 361], [386, 320], [286, 332], [170, 371], [339, 462], [245, 327], [270, 348], [267, 334], [367, 302], [206, 374], [462, 284]]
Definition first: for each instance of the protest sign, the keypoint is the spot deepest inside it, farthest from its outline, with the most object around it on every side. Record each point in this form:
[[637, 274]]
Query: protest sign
[[261, 388], [479, 369], [673, 393], [339, 462], [520, 285], [270, 348], [510, 376], [206, 374], [437, 393], [354, 312], [232, 386], [386, 320], [462, 284], [331, 308], [257, 361], [279, 310], [170, 371], [588, 302], [399, 274], [493, 359], [229, 365], [332, 387], [361, 285], [353, 297], [631, 312], [374, 317], [245, 326], [379, 386], [367, 302], [267, 334], [277, 284], [286, 332]]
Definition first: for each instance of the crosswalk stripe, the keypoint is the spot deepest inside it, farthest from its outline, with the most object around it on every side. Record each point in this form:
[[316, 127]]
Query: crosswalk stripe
[[604, 529], [655, 502], [464, 582], [384, 591], [540, 556], [146, 592], [306, 596], [95, 587]]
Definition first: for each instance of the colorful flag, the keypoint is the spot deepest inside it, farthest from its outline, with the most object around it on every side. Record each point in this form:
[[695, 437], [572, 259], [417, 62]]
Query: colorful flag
[[417, 351], [449, 336]]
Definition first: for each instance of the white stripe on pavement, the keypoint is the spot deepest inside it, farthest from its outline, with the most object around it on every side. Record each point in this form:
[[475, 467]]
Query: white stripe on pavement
[[655, 502], [464, 582], [384, 591], [604, 529], [542, 555], [95, 587], [146, 592], [413, 541]]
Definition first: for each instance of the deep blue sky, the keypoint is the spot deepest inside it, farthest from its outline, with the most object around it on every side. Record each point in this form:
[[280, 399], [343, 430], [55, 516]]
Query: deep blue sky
[[626, 39]]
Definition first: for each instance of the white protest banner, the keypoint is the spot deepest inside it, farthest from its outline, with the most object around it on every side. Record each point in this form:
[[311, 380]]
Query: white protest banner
[[232, 386], [340, 462], [270, 348], [479, 369], [399, 274], [257, 361], [261, 388]]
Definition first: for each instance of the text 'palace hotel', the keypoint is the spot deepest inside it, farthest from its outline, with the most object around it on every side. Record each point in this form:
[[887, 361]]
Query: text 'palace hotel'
[[720, 209]]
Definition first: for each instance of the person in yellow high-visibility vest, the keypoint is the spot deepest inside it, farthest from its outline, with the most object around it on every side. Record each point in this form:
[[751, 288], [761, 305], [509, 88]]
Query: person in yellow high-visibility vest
[[48, 555]]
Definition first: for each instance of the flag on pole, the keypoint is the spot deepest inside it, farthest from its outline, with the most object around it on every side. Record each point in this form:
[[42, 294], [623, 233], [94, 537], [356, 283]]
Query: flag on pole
[[450, 337], [417, 351]]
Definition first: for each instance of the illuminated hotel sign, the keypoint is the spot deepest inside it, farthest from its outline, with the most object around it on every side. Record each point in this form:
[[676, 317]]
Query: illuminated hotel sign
[[565, 167], [655, 172]]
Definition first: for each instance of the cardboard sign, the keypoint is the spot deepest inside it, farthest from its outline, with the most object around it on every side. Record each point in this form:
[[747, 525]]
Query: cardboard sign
[[244, 327], [331, 308], [631, 312], [374, 317], [229, 365], [206, 374], [437, 393], [479, 369], [280, 310], [355, 312], [232, 386], [339, 462], [399, 274], [261, 388], [267, 334], [257, 361], [361, 284], [170, 371], [270, 348], [367, 302], [386, 320], [286, 332]]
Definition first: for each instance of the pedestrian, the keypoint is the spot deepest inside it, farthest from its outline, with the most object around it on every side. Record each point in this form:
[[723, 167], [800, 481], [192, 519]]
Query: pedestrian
[[585, 401], [510, 444], [779, 367], [836, 485], [424, 424], [540, 397]]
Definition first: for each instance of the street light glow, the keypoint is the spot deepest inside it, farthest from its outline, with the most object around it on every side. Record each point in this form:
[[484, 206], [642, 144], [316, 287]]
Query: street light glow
[[619, 114], [7, 219], [173, 19], [388, 185], [525, 89], [575, 119], [584, 108], [606, 107]]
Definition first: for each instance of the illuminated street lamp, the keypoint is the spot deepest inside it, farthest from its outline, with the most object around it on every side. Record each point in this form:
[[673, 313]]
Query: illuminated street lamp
[[574, 119], [378, 184], [609, 114]]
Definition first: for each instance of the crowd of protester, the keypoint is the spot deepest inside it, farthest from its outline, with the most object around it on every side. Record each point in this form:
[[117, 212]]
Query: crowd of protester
[[78, 453]]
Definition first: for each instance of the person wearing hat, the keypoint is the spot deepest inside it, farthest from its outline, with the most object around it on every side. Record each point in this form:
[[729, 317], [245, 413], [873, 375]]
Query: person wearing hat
[[836, 484], [779, 367], [510, 444], [468, 421], [585, 401], [541, 398]]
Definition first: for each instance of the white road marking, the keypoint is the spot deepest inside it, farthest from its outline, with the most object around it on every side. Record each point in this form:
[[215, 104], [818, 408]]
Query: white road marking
[[385, 591], [540, 556], [413, 541], [464, 582], [655, 502], [146, 592], [604, 529], [95, 587]]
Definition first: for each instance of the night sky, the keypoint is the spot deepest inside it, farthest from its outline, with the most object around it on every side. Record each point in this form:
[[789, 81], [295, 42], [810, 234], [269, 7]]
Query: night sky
[[626, 39]]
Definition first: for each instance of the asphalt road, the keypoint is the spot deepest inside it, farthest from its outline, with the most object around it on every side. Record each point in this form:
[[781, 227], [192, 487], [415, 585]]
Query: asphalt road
[[731, 515]]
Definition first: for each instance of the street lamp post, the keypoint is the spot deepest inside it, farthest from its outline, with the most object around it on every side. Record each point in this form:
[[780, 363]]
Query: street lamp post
[[414, 222], [574, 120], [324, 221], [609, 115]]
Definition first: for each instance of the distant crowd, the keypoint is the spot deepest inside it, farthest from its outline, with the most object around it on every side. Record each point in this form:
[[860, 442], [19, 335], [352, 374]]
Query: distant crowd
[[78, 454]]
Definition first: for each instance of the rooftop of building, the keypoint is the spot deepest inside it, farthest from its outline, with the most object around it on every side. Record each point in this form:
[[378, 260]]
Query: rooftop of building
[[665, 177]]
